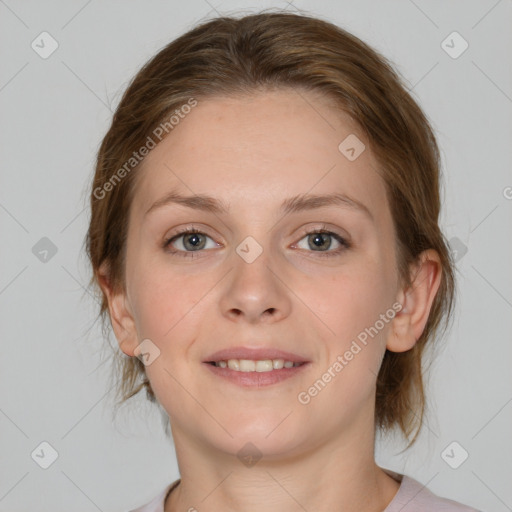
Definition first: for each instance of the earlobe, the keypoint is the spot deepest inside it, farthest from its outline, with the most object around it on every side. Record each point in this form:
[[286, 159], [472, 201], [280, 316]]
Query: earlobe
[[417, 300], [121, 317], [401, 336]]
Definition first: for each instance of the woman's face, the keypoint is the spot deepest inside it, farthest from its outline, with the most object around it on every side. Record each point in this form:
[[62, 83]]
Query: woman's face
[[253, 278]]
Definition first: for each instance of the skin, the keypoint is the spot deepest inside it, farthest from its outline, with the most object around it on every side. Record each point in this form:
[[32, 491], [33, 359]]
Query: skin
[[253, 152]]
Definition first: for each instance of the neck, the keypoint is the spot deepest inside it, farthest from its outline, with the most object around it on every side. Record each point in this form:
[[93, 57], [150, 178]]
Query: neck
[[339, 474]]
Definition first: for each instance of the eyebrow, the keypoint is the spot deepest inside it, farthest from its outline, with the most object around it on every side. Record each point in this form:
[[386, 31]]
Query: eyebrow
[[301, 202]]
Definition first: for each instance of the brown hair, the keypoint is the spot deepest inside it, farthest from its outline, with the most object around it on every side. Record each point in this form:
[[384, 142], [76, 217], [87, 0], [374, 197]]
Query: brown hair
[[229, 56]]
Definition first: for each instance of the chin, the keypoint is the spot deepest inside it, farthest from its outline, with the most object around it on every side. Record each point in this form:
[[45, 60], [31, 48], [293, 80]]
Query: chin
[[250, 447], [272, 435]]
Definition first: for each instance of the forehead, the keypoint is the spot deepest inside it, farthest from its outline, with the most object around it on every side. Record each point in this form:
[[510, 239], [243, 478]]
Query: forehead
[[257, 150]]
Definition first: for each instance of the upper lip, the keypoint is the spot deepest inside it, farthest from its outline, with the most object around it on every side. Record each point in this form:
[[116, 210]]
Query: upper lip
[[255, 354]]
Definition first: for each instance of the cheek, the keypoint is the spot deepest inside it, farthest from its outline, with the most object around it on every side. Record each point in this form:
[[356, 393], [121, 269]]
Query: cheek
[[351, 305], [352, 300], [162, 301], [168, 313]]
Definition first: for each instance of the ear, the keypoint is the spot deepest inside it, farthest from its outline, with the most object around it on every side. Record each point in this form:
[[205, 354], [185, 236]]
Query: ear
[[121, 316], [410, 321]]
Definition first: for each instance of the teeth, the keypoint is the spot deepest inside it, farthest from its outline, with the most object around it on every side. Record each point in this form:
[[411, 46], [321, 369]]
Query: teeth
[[277, 364], [248, 365], [264, 366], [234, 364]]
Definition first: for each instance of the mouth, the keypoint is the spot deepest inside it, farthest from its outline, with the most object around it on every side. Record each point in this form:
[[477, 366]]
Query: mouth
[[249, 367]]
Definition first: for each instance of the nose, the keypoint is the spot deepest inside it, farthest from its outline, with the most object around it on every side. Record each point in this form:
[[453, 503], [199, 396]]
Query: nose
[[255, 292]]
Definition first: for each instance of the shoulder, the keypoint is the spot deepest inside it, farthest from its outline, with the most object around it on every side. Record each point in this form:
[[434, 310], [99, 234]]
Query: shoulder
[[157, 503], [412, 496]]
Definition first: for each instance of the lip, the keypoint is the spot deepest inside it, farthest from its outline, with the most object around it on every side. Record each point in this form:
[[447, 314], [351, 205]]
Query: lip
[[255, 354]]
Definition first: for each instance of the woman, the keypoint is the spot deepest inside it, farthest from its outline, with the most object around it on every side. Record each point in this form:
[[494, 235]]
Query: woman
[[264, 232]]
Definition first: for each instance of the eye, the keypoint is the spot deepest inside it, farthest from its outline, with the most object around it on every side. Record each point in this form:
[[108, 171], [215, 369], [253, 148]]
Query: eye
[[188, 241], [321, 240]]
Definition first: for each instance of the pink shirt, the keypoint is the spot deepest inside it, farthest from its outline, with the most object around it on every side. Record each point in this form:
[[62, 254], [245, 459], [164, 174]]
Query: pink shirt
[[411, 497]]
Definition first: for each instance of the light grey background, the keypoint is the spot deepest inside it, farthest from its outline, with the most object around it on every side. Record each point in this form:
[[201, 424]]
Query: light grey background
[[53, 373]]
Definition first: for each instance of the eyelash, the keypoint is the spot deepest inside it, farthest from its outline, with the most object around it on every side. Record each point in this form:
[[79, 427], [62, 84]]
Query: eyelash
[[323, 230]]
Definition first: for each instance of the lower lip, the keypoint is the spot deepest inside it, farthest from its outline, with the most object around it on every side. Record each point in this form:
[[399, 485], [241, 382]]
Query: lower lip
[[256, 379]]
